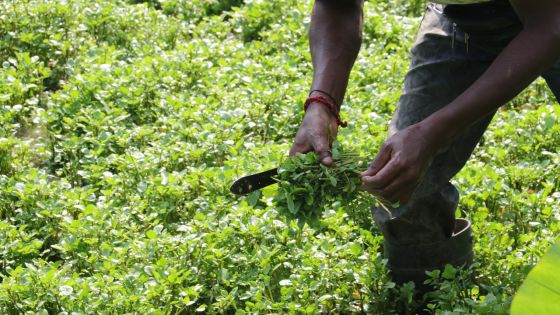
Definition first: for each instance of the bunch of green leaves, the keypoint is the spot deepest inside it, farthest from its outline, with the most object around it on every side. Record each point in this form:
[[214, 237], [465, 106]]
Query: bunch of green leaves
[[307, 187]]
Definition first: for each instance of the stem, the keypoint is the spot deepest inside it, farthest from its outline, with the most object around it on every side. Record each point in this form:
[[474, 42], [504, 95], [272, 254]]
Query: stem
[[385, 208]]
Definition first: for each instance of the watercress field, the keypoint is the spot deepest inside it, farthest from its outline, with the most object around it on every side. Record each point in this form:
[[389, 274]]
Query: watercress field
[[122, 125]]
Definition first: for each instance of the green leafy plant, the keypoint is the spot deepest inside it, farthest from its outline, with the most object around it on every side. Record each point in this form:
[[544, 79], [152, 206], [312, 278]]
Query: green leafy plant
[[122, 123], [306, 187]]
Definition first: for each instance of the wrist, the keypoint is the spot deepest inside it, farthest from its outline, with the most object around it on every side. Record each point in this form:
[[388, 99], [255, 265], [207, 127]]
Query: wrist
[[319, 110], [440, 129], [328, 104], [328, 96]]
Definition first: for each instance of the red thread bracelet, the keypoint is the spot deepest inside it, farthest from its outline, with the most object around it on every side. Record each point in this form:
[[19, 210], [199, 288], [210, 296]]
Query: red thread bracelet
[[330, 106], [327, 94]]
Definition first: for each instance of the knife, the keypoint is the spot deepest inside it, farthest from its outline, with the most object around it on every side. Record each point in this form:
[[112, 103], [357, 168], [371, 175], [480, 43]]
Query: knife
[[250, 183]]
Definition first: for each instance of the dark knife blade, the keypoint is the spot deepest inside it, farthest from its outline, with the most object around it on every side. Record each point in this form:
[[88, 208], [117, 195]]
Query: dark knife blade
[[250, 183]]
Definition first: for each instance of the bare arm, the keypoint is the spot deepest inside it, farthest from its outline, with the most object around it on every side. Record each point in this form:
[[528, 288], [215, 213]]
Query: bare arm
[[404, 158], [335, 39]]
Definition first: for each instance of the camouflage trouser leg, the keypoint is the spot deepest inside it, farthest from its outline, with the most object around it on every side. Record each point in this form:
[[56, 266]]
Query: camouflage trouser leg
[[446, 60]]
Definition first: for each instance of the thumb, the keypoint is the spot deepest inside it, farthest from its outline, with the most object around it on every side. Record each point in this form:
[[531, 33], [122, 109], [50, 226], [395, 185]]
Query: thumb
[[379, 162], [322, 148]]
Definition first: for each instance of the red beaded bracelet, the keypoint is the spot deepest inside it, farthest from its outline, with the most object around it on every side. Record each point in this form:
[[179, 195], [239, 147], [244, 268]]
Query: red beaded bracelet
[[330, 106]]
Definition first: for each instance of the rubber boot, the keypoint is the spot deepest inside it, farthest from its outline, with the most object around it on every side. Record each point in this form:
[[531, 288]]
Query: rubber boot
[[410, 263]]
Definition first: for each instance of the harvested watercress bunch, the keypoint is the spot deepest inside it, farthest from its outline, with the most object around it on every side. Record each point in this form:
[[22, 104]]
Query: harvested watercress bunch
[[307, 187]]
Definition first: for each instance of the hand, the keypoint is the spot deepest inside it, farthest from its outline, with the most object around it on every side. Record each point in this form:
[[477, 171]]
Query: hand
[[314, 135], [401, 164]]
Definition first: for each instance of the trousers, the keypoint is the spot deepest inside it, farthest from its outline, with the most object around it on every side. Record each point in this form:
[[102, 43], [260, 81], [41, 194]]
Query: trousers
[[454, 46]]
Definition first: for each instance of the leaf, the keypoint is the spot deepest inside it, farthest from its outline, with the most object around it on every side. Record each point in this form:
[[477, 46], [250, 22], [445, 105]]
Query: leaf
[[335, 150], [253, 198], [290, 201], [151, 234], [540, 293], [449, 272], [285, 282], [66, 290], [333, 181]]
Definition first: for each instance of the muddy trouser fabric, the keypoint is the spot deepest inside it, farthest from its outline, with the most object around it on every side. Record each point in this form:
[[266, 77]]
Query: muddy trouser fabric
[[454, 46]]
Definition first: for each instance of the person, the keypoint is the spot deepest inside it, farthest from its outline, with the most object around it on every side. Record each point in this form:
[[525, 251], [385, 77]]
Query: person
[[469, 58]]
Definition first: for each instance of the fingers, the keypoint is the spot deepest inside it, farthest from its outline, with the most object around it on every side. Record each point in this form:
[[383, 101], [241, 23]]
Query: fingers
[[299, 147], [382, 178], [323, 149], [319, 144], [379, 162], [392, 183], [315, 133]]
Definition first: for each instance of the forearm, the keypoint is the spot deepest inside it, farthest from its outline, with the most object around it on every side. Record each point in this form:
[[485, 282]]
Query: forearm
[[335, 38], [535, 49]]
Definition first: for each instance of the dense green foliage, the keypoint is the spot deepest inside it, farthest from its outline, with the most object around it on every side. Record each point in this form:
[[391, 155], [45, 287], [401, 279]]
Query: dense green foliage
[[124, 122], [306, 187]]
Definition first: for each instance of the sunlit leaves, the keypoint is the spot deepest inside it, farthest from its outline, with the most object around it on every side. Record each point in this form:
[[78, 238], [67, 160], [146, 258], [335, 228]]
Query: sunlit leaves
[[122, 123]]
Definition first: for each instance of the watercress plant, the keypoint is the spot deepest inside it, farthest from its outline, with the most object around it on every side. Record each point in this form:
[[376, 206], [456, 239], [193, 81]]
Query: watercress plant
[[307, 187]]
